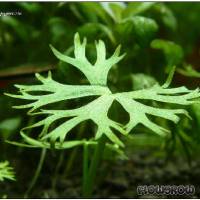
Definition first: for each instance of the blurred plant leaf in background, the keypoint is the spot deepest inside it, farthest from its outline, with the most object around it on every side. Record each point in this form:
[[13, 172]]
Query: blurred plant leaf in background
[[31, 7], [23, 30], [166, 15], [8, 126], [114, 9], [188, 70], [137, 8], [144, 29], [173, 52]]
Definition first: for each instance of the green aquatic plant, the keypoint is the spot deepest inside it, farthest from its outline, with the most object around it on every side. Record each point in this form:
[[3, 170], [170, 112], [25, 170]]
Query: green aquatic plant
[[6, 172], [96, 110]]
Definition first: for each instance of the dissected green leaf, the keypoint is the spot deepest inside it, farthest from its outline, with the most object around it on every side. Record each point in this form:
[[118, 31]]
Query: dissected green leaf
[[97, 110], [97, 73], [6, 172]]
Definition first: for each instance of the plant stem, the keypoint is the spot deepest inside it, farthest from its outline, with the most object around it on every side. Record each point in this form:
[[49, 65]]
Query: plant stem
[[74, 152], [90, 175], [58, 166], [37, 173], [70, 162], [85, 166]]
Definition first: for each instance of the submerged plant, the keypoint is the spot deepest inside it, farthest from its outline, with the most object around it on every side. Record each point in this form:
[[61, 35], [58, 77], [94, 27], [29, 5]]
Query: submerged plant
[[96, 110], [6, 172]]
